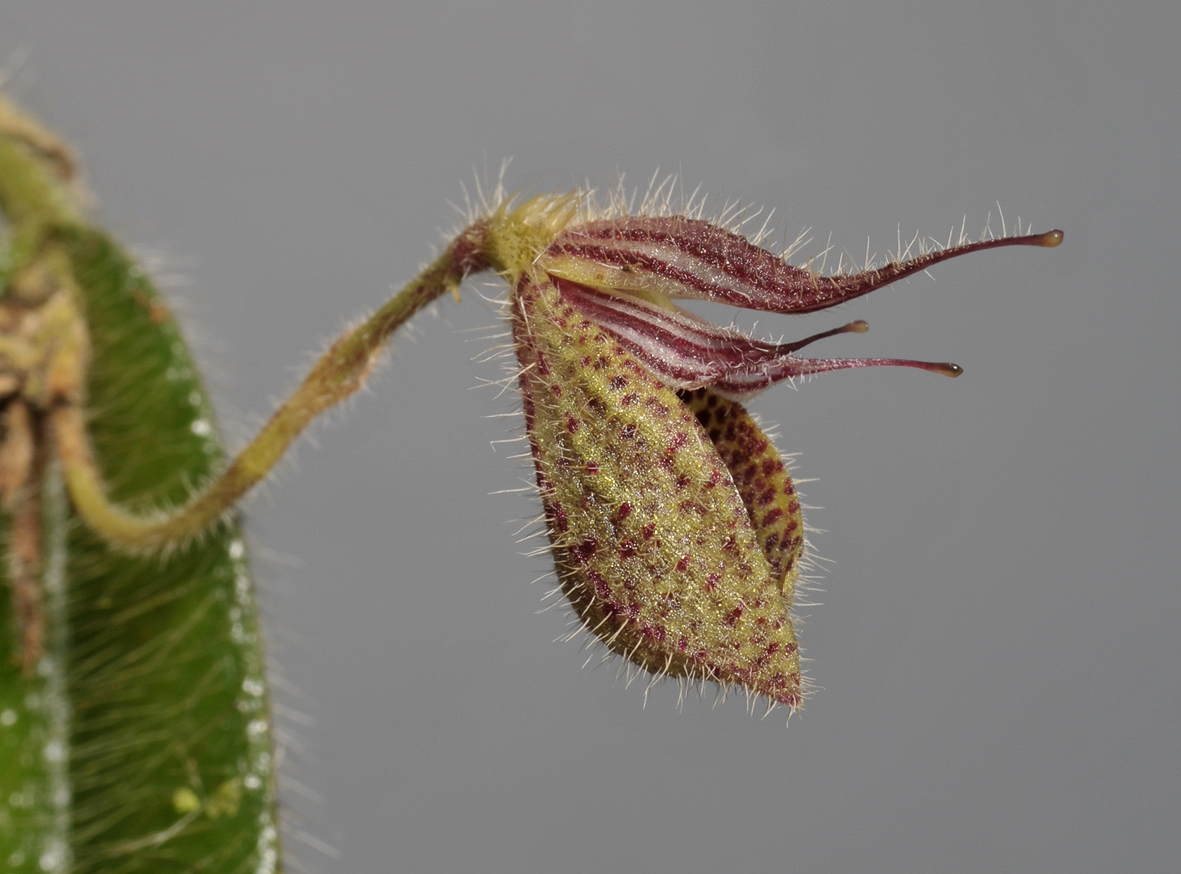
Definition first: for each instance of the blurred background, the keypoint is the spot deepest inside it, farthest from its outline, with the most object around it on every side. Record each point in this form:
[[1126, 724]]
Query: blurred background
[[996, 650]]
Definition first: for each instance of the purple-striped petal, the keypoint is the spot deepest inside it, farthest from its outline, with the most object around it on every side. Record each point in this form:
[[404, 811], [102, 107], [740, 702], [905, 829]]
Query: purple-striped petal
[[689, 258], [686, 352]]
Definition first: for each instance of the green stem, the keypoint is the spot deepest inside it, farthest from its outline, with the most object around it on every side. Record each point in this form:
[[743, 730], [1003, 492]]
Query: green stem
[[337, 375], [33, 169]]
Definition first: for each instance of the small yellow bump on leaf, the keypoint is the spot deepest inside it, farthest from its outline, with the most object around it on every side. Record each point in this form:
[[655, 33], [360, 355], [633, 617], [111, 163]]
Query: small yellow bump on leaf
[[185, 800]]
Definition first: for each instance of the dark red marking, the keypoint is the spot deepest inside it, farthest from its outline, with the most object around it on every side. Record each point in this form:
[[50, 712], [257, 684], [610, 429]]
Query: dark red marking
[[583, 552]]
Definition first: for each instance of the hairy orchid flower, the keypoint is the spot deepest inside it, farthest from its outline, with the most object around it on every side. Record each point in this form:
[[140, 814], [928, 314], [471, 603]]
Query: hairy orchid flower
[[675, 526], [674, 522]]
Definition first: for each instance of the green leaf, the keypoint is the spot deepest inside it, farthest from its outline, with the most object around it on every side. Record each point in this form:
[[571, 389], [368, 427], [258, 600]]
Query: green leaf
[[144, 742]]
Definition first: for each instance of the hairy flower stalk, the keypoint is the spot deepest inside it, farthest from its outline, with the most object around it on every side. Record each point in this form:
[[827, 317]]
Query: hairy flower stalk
[[675, 525]]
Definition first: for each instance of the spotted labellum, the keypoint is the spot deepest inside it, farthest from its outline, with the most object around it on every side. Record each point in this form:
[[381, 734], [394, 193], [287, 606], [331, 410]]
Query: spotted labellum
[[675, 525]]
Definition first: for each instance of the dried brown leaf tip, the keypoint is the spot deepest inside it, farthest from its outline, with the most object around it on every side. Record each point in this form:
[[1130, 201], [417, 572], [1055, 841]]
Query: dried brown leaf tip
[[675, 526]]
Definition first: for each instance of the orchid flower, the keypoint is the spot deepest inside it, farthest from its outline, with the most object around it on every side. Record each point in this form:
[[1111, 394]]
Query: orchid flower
[[675, 526], [676, 529]]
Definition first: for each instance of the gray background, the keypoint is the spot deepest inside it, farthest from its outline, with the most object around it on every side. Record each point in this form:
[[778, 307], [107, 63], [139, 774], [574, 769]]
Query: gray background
[[997, 645]]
